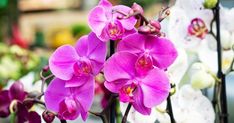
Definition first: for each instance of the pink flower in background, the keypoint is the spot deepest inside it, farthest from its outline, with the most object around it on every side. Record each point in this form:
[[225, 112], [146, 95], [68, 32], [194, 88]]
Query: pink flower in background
[[105, 22], [15, 97], [76, 65], [143, 92], [198, 28], [150, 50], [69, 102]]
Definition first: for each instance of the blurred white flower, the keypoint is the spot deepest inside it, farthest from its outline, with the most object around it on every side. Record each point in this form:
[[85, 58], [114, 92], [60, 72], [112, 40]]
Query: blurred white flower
[[177, 70]]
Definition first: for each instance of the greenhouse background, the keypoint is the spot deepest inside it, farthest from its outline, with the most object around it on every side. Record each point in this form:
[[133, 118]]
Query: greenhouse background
[[31, 30]]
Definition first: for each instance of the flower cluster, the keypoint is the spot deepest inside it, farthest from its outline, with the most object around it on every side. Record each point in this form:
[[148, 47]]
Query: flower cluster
[[136, 71]]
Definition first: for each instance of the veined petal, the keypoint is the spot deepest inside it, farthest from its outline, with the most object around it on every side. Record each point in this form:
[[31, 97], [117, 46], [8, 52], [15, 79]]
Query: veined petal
[[62, 60], [155, 87], [134, 43], [105, 3], [82, 46], [84, 94], [138, 102], [121, 65], [55, 93], [97, 19], [162, 50]]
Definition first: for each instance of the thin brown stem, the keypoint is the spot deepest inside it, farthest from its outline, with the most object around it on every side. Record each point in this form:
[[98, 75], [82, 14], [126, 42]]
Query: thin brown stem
[[124, 120]]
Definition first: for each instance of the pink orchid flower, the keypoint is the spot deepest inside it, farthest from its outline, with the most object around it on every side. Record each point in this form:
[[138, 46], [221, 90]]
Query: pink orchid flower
[[108, 24], [70, 102], [76, 65], [151, 51], [143, 92]]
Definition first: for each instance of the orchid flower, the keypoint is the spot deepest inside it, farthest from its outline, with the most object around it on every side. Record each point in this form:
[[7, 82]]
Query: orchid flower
[[107, 24], [76, 65], [188, 30], [208, 51], [132, 87], [151, 50], [14, 102], [69, 102]]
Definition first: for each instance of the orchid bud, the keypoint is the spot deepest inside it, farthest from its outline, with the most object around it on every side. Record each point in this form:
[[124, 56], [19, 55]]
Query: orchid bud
[[209, 4], [202, 80], [226, 39], [156, 25], [137, 8], [144, 30], [48, 116], [46, 68]]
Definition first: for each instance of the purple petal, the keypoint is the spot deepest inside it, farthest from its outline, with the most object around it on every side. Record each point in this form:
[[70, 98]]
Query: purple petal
[[85, 95], [155, 87], [55, 93], [97, 51], [82, 46], [138, 102], [162, 50], [97, 20], [134, 43], [105, 3], [94, 49], [4, 105], [121, 65], [22, 113], [34, 117], [62, 60], [17, 91], [76, 81], [115, 86], [127, 23]]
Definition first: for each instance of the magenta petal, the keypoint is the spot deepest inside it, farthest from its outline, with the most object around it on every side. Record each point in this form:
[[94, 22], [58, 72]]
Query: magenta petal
[[121, 65], [115, 86], [82, 46], [155, 87], [134, 43], [17, 91], [55, 93], [97, 51], [62, 60], [4, 105], [105, 3], [138, 102], [162, 50], [85, 95], [76, 81], [97, 20], [127, 23]]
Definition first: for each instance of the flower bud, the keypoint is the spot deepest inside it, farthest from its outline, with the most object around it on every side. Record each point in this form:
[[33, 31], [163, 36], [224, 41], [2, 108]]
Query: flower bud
[[156, 25], [48, 116], [144, 30], [209, 4], [46, 68], [137, 8], [202, 80]]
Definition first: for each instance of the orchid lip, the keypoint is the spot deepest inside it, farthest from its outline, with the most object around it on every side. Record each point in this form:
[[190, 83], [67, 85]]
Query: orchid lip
[[82, 67], [115, 30], [197, 28], [144, 63]]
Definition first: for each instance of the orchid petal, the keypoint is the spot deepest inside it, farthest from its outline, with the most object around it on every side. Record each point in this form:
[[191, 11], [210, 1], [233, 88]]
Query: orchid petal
[[62, 60], [124, 66], [97, 20], [155, 87]]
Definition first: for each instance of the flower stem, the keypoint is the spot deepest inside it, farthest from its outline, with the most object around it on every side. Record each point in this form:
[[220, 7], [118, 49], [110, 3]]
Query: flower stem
[[63, 121], [223, 96], [169, 108], [124, 120]]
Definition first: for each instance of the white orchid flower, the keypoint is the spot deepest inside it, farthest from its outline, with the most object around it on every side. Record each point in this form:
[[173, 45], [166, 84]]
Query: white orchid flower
[[182, 14], [177, 70]]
